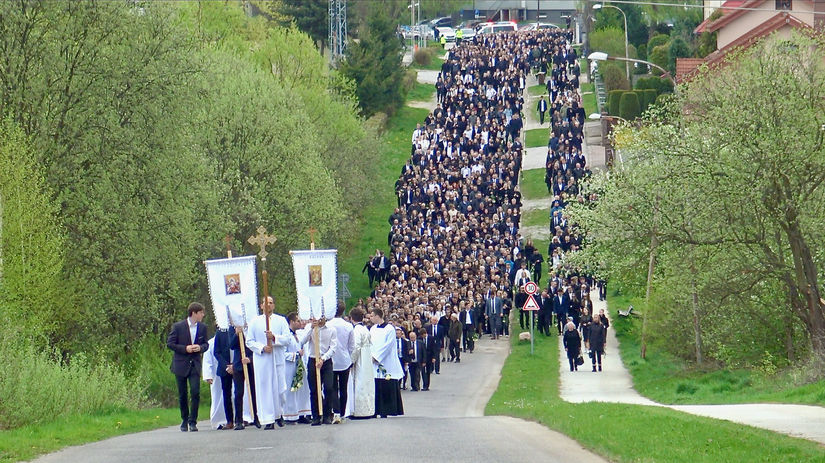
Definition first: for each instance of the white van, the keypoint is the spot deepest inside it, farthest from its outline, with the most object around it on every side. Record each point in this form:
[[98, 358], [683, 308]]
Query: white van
[[492, 28]]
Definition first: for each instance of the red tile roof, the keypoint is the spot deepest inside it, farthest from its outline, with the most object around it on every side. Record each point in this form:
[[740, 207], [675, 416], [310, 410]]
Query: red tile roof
[[726, 8], [728, 17], [685, 66]]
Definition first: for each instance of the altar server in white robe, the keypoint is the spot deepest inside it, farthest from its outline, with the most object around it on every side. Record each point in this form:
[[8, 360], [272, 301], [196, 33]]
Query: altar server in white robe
[[361, 403], [386, 366], [217, 417], [297, 402], [269, 361]]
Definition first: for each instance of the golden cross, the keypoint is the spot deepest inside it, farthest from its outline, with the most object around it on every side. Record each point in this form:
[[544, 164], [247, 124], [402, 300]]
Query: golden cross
[[262, 240], [228, 240]]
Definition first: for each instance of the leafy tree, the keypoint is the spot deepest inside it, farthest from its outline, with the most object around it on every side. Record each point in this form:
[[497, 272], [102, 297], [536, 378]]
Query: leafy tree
[[636, 27], [311, 16], [678, 49], [374, 63], [660, 56]]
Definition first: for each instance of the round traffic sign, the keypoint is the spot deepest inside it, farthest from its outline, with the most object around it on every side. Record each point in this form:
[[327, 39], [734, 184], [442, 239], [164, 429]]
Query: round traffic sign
[[531, 288]]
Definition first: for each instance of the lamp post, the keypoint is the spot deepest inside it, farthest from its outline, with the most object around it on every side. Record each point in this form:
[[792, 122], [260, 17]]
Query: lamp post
[[411, 7], [599, 6], [602, 56]]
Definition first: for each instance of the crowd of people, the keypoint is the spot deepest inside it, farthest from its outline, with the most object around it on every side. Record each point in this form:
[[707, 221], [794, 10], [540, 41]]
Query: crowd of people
[[456, 266]]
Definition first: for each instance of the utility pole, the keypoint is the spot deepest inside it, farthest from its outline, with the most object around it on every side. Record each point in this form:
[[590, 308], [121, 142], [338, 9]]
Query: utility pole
[[337, 29]]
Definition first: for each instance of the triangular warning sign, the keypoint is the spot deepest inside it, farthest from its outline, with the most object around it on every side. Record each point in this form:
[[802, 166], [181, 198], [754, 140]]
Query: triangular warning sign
[[531, 303]]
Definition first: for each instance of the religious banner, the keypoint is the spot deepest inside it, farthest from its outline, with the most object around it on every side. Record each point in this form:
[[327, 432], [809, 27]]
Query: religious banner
[[233, 288], [316, 282]]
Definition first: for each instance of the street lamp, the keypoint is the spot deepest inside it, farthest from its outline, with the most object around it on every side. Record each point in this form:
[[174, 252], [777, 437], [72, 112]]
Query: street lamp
[[602, 56], [599, 6]]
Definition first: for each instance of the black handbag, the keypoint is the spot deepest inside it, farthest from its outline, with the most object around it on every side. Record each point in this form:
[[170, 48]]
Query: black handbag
[[580, 360]]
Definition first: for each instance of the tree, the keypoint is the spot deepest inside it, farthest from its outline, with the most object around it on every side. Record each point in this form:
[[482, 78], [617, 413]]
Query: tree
[[750, 184], [678, 49], [659, 56], [311, 16], [374, 63]]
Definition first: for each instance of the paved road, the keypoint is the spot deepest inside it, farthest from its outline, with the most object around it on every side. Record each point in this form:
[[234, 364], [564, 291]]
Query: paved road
[[444, 423]]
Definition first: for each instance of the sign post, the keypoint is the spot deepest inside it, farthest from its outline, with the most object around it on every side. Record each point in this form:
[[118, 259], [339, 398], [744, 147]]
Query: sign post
[[530, 305]]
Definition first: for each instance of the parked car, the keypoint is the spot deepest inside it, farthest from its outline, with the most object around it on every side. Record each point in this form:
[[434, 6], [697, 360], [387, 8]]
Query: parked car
[[441, 22], [447, 32], [492, 28], [538, 26]]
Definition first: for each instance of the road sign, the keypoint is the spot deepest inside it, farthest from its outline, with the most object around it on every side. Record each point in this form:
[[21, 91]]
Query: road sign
[[531, 288], [530, 304]]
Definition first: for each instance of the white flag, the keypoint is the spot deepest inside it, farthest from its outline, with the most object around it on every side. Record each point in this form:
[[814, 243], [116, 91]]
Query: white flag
[[233, 288], [316, 282]]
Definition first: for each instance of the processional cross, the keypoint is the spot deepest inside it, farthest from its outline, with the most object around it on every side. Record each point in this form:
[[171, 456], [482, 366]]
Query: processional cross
[[262, 240]]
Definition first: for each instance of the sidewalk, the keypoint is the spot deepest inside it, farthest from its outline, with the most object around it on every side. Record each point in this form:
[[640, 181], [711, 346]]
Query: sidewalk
[[614, 384]]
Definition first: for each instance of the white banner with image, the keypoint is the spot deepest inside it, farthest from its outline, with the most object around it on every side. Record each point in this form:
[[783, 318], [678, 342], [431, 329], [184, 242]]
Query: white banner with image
[[233, 287], [316, 282]]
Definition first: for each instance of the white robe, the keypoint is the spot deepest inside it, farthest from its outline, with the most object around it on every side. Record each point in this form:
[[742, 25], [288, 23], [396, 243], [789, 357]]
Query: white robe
[[385, 352], [361, 381], [270, 380], [217, 417], [297, 402]]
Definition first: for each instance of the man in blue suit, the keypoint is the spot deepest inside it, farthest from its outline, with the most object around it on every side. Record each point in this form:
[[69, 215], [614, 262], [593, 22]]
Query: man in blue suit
[[561, 304]]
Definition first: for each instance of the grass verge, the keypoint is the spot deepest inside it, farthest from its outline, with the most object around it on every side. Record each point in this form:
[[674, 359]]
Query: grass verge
[[421, 92], [667, 379], [28, 442], [532, 184], [536, 217], [589, 99], [536, 137], [536, 90], [529, 389]]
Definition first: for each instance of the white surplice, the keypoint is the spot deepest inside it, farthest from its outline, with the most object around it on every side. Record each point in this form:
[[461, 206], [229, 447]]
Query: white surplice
[[297, 402], [270, 379], [385, 352], [217, 417], [362, 379]]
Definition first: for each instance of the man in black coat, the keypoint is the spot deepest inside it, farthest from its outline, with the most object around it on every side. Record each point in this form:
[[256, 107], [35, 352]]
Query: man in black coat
[[239, 381], [415, 358], [431, 346], [187, 340]]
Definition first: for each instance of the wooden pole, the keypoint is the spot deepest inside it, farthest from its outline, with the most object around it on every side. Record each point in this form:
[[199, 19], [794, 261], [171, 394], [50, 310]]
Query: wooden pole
[[242, 345], [317, 335]]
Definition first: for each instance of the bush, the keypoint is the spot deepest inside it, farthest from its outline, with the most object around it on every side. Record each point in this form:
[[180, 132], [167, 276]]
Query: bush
[[649, 98], [657, 40], [629, 108], [613, 99], [660, 55], [409, 81], [423, 56], [660, 84], [614, 77], [36, 386]]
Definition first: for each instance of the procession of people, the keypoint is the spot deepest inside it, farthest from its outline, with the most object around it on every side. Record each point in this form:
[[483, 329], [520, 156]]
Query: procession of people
[[456, 266]]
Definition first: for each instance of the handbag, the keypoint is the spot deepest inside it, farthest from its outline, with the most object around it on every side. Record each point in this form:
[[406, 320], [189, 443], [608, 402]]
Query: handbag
[[580, 360]]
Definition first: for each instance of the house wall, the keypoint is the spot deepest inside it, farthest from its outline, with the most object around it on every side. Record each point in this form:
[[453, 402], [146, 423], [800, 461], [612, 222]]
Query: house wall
[[740, 26]]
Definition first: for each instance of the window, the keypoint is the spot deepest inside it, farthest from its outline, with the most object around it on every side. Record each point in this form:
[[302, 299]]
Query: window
[[784, 4]]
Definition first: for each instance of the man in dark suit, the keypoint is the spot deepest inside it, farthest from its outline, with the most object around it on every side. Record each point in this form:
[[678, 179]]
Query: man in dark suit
[[239, 380], [415, 356], [188, 342], [430, 356], [467, 317], [545, 312], [225, 370], [403, 357], [437, 332], [560, 307], [542, 108]]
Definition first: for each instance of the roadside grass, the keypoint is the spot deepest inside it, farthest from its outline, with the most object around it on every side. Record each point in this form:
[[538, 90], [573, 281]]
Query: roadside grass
[[435, 63], [536, 90], [27, 442], [532, 184], [536, 137], [375, 227], [589, 98], [529, 389], [421, 92], [536, 217], [670, 380]]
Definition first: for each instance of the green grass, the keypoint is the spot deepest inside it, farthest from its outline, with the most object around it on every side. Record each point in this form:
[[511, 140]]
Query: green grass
[[536, 137], [537, 90], [421, 92], [631, 433], [671, 380], [30, 441], [536, 217], [532, 184], [435, 63], [375, 227], [589, 99]]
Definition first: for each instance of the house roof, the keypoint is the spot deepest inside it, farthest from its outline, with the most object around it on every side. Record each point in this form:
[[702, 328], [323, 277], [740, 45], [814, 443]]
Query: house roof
[[726, 8], [686, 67]]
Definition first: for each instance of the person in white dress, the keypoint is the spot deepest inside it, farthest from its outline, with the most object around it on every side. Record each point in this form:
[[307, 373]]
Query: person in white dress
[[362, 400], [296, 407]]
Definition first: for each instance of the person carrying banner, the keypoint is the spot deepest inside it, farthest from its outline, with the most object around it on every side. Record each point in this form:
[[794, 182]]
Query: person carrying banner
[[269, 354]]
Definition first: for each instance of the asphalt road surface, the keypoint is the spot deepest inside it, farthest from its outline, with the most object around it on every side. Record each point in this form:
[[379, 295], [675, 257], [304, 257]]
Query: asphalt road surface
[[445, 423]]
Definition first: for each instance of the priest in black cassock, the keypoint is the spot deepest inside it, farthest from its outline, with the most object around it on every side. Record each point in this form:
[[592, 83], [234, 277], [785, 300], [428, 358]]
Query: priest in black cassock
[[387, 367]]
